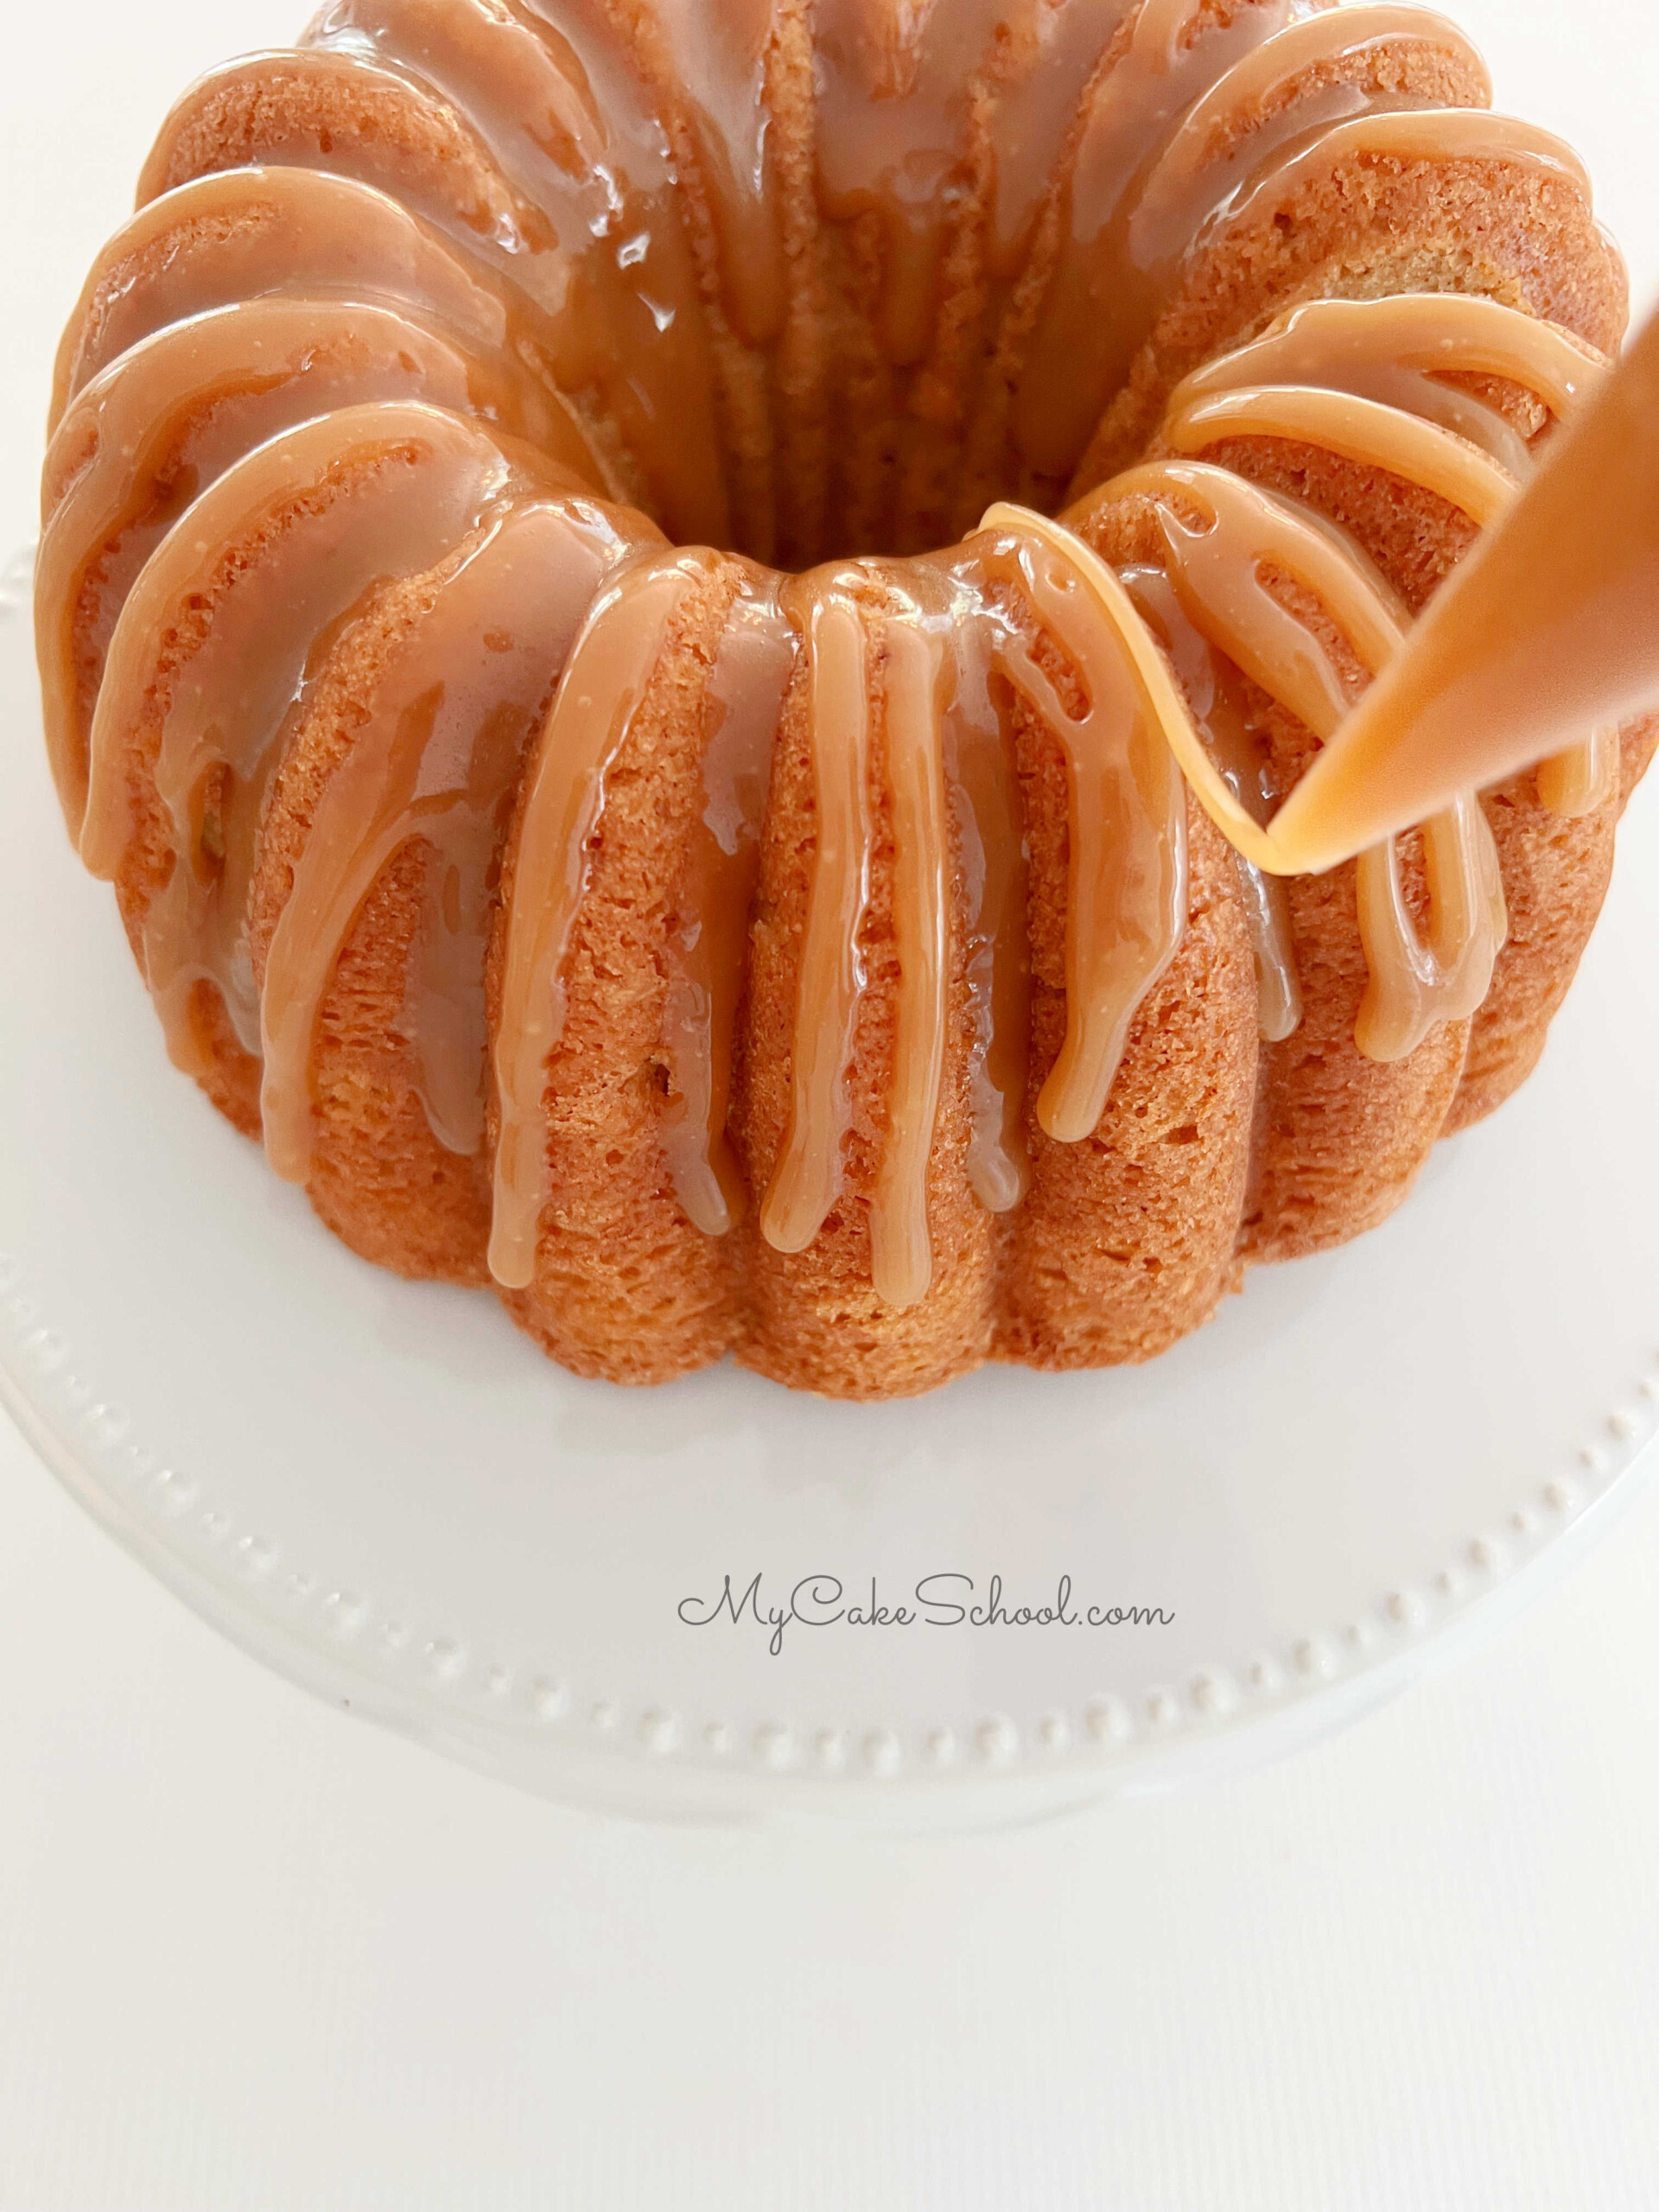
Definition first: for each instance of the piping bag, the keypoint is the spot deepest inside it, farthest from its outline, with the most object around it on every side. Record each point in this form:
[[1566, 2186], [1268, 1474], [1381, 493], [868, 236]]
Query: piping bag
[[1548, 631]]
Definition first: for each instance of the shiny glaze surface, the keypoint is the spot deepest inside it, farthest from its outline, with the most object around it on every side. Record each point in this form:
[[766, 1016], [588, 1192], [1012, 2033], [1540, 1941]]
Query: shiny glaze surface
[[537, 322]]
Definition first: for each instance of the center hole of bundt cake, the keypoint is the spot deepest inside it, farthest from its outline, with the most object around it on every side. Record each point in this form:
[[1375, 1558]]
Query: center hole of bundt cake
[[851, 532], [881, 495]]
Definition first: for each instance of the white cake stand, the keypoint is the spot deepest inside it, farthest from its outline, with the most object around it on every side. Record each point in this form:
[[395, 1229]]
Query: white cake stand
[[384, 1492]]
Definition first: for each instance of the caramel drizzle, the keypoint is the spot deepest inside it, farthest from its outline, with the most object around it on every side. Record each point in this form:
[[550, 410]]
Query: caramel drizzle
[[716, 62], [1584, 779], [333, 509], [244, 234], [895, 89], [948, 778], [559, 177], [1218, 572], [1412, 985], [807, 1177], [1208, 161], [1546, 629], [1216, 569], [1377, 365], [706, 947], [1100, 303], [1126, 907], [1215, 695], [602, 690], [1364, 430], [1194, 120], [1184, 135], [156, 429], [988, 821], [1278, 984], [594, 235], [1397, 350], [1255, 841], [901, 1259], [437, 762], [1429, 134]]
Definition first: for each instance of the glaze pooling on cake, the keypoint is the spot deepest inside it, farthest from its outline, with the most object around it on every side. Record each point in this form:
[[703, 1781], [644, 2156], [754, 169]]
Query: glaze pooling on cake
[[1126, 817], [437, 760], [604, 161], [815, 965], [428, 481], [704, 949], [625, 635]]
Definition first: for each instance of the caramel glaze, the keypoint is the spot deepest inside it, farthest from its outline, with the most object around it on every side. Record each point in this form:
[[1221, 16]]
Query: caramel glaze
[[807, 1179], [706, 943], [893, 674], [1395, 354], [1174, 147], [436, 762], [1126, 896], [532, 151], [1218, 697], [1224, 541], [160, 425], [242, 234], [273, 562], [604, 685], [515, 257], [677, 219]]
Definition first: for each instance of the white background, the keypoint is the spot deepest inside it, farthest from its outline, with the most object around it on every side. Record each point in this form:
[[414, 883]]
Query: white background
[[255, 1954]]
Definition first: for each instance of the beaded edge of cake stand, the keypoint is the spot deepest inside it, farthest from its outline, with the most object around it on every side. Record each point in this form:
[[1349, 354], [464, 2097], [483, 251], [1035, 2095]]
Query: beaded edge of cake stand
[[168, 1510]]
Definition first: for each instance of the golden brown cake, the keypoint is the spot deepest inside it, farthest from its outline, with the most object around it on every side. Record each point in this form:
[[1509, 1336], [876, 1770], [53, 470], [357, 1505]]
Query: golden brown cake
[[670, 617]]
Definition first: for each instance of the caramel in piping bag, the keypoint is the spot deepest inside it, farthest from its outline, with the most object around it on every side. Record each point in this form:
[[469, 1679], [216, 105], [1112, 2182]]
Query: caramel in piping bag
[[1546, 634]]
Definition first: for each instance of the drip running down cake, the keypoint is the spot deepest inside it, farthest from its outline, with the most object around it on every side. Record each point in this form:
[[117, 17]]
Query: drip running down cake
[[670, 617]]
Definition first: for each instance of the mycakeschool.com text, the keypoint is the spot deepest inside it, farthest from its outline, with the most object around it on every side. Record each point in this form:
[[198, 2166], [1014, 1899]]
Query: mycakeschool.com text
[[942, 1600]]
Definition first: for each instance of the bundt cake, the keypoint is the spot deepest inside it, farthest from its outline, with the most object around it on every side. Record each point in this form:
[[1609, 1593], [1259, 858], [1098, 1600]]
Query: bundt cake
[[493, 638]]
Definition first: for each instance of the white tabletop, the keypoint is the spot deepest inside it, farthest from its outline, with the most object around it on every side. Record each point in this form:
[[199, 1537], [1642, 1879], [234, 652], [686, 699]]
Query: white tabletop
[[253, 1954]]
